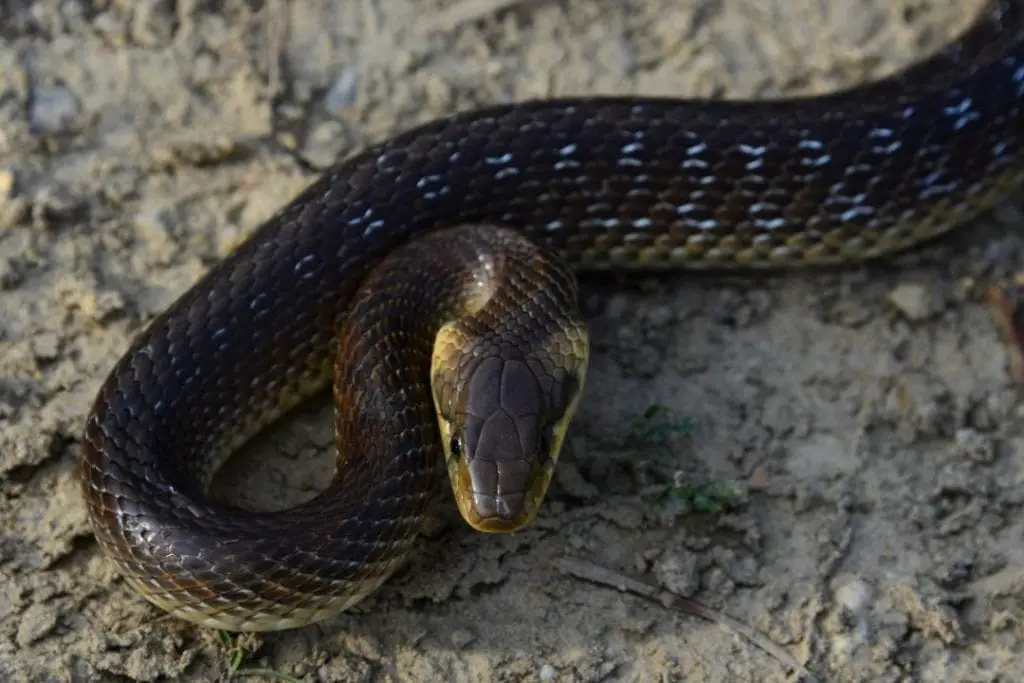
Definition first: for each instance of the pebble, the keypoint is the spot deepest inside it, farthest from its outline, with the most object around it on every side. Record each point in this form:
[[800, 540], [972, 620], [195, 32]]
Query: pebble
[[13, 209], [54, 110], [679, 573], [916, 301], [46, 346], [548, 673], [854, 596], [326, 144], [342, 93], [6, 184]]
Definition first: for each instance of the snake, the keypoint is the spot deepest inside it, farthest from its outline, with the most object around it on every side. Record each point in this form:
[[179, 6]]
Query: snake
[[431, 280]]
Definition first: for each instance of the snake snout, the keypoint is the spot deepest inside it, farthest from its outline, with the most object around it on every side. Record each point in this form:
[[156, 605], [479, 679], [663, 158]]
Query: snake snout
[[500, 470], [499, 492]]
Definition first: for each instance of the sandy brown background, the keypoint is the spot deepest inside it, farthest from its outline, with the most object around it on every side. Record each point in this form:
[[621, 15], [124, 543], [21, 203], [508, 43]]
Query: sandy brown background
[[866, 416]]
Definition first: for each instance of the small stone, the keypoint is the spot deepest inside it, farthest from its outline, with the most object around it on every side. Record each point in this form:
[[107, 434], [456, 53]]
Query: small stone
[[678, 572], [13, 212], [13, 209], [204, 69], [342, 93], [327, 143], [854, 596], [6, 184], [916, 301], [548, 673], [54, 110], [46, 346]]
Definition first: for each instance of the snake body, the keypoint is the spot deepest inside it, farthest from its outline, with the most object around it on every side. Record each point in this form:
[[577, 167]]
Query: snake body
[[613, 183]]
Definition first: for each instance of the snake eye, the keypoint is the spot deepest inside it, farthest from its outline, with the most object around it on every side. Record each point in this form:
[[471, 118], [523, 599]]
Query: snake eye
[[455, 446]]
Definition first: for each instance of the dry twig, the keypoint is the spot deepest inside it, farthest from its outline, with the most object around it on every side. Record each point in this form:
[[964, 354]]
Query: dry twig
[[606, 577]]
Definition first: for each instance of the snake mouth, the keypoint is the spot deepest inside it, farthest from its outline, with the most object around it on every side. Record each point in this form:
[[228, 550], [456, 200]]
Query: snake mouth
[[502, 514], [495, 526], [499, 525], [495, 513]]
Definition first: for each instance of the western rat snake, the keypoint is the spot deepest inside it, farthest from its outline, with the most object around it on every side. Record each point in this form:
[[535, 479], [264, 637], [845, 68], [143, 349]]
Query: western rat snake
[[622, 183]]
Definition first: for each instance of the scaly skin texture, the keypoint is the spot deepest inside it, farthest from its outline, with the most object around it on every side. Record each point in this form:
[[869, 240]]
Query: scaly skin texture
[[607, 183]]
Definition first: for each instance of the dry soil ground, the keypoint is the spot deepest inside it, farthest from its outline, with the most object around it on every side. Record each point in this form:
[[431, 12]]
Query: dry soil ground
[[866, 417]]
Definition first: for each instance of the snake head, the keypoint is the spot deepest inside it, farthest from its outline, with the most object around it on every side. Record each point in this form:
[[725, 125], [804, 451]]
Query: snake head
[[503, 414]]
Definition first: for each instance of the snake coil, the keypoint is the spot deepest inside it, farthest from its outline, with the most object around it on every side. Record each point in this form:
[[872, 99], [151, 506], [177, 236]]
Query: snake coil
[[623, 183]]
